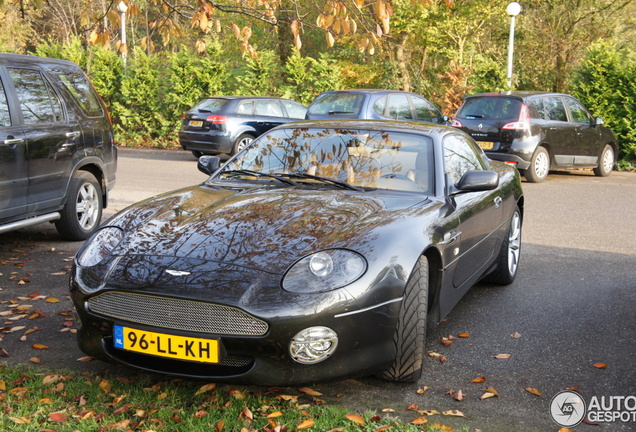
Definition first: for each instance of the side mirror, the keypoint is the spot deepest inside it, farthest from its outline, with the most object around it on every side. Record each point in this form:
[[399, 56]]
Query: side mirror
[[475, 181], [599, 121], [209, 164]]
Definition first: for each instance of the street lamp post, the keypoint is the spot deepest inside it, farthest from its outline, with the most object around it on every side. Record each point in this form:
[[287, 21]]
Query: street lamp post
[[122, 8], [513, 10]]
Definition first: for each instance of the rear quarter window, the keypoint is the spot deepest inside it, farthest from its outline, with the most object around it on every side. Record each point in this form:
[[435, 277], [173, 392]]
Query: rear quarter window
[[211, 105], [82, 91], [337, 103]]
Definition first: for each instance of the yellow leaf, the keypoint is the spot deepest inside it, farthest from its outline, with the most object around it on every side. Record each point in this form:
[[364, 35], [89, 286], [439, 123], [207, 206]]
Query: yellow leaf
[[481, 379], [492, 390], [502, 356], [600, 365], [355, 418], [3, 385], [422, 390], [39, 347], [275, 414], [330, 39], [35, 360], [105, 386], [309, 391], [219, 426], [534, 391], [306, 424], [420, 421], [237, 394], [487, 395], [206, 388], [454, 413], [564, 429], [52, 300], [20, 420], [428, 412]]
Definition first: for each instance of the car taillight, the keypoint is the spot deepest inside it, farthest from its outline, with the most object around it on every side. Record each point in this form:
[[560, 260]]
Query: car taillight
[[522, 123], [456, 123], [214, 119]]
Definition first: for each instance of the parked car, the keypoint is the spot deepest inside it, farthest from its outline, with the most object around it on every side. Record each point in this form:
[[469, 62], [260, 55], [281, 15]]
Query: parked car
[[58, 158], [374, 104], [538, 132], [229, 124], [315, 254]]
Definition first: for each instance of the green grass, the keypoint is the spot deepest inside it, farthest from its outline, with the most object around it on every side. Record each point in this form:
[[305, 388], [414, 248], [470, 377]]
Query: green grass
[[32, 400]]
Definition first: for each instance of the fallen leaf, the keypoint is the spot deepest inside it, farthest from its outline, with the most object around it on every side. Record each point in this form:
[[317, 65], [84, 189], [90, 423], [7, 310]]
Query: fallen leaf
[[515, 335], [439, 356], [85, 359], [309, 391], [422, 390], [120, 425], [383, 428], [388, 410], [428, 412], [200, 413], [52, 300], [492, 390], [206, 388], [463, 335], [3, 353], [247, 414], [420, 420], [454, 413], [413, 407], [219, 425], [534, 391], [459, 396], [564, 429], [105, 386], [487, 395], [481, 379], [355, 418], [502, 356], [58, 417], [600, 365], [20, 420], [39, 347], [275, 414], [306, 424], [237, 394], [446, 341]]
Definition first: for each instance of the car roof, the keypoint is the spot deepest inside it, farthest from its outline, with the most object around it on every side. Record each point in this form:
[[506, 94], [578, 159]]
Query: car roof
[[248, 97], [394, 125], [34, 59], [518, 94], [368, 91]]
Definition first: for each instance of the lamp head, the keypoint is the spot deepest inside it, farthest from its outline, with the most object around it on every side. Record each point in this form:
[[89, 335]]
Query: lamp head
[[513, 9]]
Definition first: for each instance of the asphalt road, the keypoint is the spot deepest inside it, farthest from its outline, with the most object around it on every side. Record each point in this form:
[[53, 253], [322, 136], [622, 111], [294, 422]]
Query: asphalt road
[[573, 305]]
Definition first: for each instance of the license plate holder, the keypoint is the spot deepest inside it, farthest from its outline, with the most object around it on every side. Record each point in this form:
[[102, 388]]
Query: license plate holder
[[195, 123], [202, 350], [486, 145]]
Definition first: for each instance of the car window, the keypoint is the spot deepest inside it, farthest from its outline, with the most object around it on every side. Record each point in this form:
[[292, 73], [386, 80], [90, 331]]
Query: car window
[[5, 117], [80, 88], [379, 106], [294, 110], [245, 108], [399, 107], [38, 102], [491, 108], [578, 112], [337, 103], [424, 110], [554, 108], [212, 105], [536, 108], [460, 156], [269, 108]]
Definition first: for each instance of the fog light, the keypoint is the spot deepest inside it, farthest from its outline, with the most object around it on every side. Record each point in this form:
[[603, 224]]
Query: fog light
[[313, 345]]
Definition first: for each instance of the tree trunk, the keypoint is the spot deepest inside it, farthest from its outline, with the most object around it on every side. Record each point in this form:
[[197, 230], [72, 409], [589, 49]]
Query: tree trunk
[[402, 64]]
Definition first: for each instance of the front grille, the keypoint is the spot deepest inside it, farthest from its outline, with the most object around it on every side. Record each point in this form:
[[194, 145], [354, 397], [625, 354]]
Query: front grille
[[177, 314]]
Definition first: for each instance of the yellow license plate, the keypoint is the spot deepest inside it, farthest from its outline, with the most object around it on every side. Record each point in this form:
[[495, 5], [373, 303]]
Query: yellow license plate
[[166, 345], [195, 123], [486, 145]]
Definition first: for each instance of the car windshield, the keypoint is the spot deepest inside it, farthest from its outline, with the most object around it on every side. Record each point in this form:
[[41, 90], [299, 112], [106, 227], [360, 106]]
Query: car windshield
[[212, 105], [337, 103], [490, 108], [354, 157]]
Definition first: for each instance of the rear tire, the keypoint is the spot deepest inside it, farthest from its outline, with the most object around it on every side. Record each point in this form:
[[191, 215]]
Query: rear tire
[[509, 254], [241, 142], [605, 162], [197, 154], [539, 166], [82, 212], [410, 333]]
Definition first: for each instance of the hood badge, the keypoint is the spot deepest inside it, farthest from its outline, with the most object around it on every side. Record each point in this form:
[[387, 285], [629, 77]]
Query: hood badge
[[177, 272], [480, 126]]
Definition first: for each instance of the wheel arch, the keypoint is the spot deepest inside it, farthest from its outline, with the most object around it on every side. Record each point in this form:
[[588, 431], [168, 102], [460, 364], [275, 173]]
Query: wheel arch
[[435, 267], [96, 170]]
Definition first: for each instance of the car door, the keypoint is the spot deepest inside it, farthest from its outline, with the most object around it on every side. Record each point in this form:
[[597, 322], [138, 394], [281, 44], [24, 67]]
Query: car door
[[13, 164], [586, 147], [472, 243], [267, 114], [425, 111], [51, 141], [559, 133]]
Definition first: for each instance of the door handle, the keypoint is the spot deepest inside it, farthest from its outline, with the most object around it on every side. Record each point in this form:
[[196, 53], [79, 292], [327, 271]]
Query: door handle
[[450, 238], [498, 200], [10, 141], [73, 134]]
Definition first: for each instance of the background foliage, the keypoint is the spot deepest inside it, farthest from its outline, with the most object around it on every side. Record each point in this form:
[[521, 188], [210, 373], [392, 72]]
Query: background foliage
[[181, 51]]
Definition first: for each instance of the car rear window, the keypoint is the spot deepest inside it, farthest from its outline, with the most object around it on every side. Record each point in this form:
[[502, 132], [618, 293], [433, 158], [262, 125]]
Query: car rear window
[[337, 103], [212, 105], [490, 108]]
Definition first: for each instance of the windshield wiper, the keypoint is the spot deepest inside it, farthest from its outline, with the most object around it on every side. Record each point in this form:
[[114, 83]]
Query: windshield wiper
[[261, 174], [340, 112], [324, 180]]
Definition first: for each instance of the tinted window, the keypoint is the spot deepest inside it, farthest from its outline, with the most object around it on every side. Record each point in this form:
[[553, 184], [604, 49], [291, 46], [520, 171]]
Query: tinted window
[[77, 84], [38, 102], [337, 103], [491, 108], [245, 108], [379, 106], [5, 117], [460, 156], [579, 114], [268, 108], [554, 109], [536, 108], [211, 105], [399, 107], [294, 110], [424, 110]]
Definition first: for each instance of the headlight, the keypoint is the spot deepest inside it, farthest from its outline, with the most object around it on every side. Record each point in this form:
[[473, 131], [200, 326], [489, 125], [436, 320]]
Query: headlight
[[99, 246], [324, 271]]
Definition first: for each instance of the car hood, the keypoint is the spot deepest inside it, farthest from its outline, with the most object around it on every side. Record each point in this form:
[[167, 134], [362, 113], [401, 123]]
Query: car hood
[[260, 227]]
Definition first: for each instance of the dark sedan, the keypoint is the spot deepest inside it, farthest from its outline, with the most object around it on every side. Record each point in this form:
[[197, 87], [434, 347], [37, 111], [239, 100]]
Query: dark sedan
[[228, 124], [315, 254]]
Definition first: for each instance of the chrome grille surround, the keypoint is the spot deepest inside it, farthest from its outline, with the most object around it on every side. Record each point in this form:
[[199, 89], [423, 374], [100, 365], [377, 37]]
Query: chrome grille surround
[[177, 314]]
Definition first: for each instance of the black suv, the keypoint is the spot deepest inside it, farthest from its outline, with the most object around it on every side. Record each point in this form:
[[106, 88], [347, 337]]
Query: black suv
[[374, 104], [57, 154], [228, 124], [537, 131]]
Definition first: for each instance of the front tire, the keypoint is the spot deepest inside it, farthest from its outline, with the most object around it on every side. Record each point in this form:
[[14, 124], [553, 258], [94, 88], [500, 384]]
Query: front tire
[[539, 166], [410, 333], [605, 162], [82, 212], [509, 254]]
